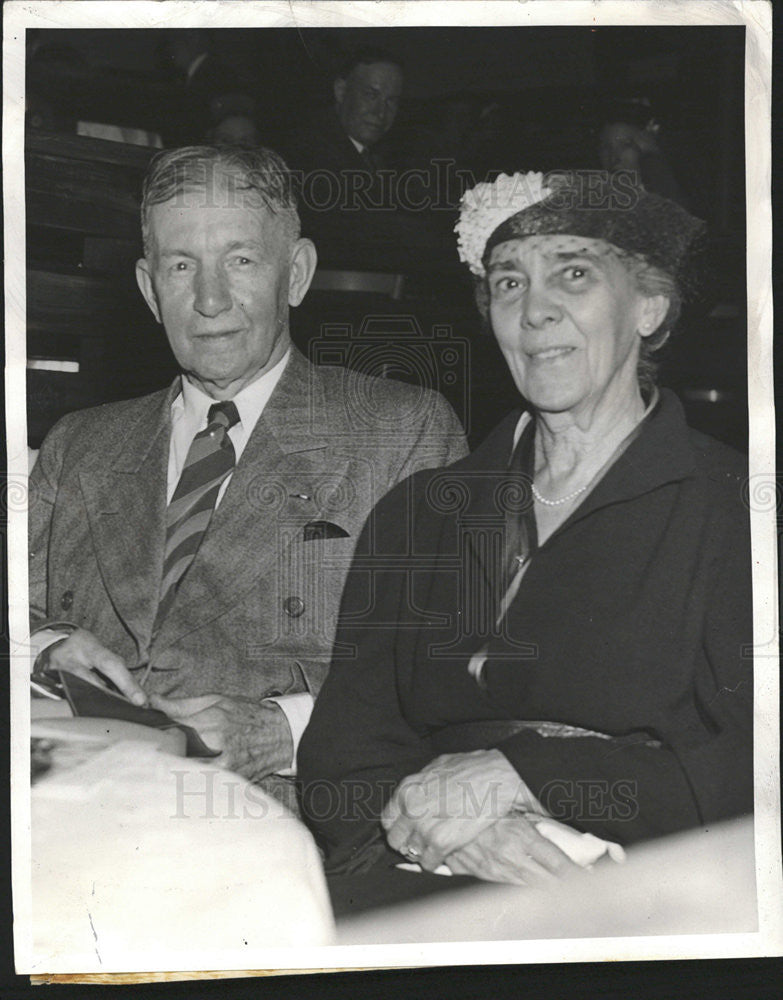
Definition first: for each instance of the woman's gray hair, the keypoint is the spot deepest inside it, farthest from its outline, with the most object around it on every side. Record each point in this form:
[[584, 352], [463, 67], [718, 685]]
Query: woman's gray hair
[[256, 176], [650, 280]]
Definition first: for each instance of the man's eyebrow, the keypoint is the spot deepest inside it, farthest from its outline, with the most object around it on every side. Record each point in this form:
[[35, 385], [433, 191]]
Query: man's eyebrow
[[235, 245], [173, 252], [246, 245]]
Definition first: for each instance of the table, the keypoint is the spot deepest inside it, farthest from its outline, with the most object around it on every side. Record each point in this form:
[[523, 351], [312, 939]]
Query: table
[[143, 860]]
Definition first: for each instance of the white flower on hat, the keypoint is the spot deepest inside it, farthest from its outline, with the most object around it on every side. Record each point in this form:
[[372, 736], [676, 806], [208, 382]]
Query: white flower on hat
[[485, 206]]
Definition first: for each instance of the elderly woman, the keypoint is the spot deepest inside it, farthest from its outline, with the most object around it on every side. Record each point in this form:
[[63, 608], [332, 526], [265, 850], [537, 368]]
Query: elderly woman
[[551, 636]]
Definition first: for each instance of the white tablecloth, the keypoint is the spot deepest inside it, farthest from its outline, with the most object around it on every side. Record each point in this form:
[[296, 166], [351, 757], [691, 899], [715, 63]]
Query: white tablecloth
[[146, 861]]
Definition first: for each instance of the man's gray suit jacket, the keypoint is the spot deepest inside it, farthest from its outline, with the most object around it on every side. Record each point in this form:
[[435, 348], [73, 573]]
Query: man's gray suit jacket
[[255, 613]]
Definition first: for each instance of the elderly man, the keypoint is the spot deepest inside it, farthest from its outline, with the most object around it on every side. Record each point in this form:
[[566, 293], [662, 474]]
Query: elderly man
[[365, 212], [367, 93], [190, 546]]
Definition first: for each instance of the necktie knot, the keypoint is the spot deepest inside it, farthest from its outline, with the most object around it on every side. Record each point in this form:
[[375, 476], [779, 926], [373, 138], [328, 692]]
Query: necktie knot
[[224, 413]]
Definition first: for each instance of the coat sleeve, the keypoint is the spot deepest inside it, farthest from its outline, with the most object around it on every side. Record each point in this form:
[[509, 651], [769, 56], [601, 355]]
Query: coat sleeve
[[633, 789], [43, 487], [358, 745]]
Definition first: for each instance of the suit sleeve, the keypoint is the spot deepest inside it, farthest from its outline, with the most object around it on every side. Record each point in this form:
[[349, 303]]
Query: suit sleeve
[[43, 486], [358, 745], [629, 790]]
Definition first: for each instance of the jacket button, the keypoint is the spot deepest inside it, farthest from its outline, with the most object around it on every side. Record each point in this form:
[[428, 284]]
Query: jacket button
[[66, 601], [293, 606]]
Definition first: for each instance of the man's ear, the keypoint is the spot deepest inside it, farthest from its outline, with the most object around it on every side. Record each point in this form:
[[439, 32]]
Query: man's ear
[[339, 90], [144, 281], [303, 263], [653, 313]]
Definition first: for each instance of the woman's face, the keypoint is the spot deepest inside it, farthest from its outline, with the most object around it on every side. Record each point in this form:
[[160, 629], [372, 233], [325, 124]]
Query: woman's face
[[568, 318]]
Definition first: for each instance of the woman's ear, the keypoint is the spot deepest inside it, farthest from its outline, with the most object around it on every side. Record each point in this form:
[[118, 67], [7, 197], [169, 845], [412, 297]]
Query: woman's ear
[[652, 314], [144, 281], [303, 263]]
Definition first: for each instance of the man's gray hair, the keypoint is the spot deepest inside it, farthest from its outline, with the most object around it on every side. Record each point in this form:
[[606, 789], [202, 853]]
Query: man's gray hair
[[252, 177]]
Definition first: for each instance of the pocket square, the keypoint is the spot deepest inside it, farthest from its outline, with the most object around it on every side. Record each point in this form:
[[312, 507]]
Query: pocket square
[[323, 529]]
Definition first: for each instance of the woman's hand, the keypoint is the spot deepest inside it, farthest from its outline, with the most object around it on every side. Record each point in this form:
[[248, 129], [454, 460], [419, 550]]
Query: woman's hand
[[512, 850], [450, 802]]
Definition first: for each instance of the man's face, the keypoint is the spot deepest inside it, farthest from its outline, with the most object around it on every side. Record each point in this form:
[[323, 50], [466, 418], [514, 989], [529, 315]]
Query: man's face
[[236, 130], [367, 100], [220, 278]]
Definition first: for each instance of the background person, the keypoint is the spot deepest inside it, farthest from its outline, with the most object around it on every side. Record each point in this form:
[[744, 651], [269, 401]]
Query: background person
[[591, 667], [367, 90], [630, 139], [234, 130], [362, 210]]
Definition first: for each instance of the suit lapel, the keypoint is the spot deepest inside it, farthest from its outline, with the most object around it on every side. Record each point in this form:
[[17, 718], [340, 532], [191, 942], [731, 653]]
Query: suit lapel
[[277, 487], [126, 507]]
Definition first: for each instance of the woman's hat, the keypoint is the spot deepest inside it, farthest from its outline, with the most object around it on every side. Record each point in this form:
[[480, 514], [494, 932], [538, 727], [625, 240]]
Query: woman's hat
[[592, 203]]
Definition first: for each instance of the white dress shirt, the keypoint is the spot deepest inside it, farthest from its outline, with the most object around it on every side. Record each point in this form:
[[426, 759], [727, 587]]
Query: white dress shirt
[[189, 416]]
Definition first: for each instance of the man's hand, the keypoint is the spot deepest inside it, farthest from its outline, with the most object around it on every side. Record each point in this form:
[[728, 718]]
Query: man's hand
[[82, 654], [450, 802], [254, 737], [512, 850]]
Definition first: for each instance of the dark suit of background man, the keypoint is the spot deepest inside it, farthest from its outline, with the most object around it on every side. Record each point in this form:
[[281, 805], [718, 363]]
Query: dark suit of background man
[[349, 194], [367, 92], [242, 644]]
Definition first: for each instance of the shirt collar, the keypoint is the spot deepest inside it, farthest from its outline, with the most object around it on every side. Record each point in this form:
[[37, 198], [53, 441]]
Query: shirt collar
[[194, 403], [360, 147]]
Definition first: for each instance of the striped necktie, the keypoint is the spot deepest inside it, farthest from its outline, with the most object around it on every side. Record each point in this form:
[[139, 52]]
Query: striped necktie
[[210, 459]]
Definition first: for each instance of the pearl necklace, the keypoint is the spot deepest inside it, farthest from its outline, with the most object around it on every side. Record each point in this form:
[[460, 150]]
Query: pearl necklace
[[556, 503]]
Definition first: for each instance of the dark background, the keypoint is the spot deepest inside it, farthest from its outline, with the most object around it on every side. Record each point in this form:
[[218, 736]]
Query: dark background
[[492, 99]]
